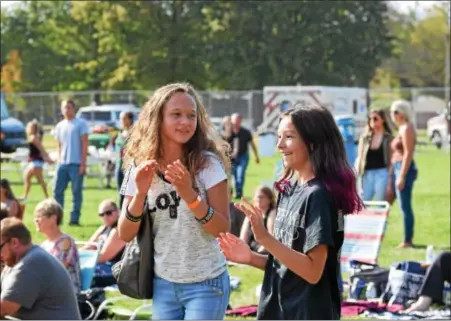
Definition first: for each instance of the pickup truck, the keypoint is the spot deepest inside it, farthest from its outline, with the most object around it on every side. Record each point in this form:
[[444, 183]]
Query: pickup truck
[[437, 128], [12, 131]]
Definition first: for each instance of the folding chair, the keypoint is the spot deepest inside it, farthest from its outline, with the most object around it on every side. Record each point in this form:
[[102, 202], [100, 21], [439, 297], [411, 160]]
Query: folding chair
[[88, 262], [364, 232]]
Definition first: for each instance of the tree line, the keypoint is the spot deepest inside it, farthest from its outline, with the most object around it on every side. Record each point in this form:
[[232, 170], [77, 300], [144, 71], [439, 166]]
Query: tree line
[[234, 45]]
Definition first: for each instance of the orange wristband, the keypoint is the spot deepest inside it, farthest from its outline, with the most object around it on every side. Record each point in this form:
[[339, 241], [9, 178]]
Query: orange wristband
[[195, 204]]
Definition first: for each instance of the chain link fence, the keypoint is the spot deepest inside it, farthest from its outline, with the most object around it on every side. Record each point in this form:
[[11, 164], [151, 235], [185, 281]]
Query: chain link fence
[[45, 106]]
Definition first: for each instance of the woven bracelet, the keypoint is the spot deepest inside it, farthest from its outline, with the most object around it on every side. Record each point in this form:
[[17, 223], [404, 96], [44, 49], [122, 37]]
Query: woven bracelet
[[132, 218]]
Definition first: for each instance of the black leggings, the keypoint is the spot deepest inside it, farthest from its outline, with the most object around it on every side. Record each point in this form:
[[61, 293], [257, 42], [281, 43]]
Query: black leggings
[[437, 274]]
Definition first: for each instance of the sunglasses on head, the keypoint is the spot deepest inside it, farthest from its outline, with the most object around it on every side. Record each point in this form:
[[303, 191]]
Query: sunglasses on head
[[107, 213]]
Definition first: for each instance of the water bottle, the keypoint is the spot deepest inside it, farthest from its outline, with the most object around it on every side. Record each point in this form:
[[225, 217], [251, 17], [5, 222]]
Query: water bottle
[[357, 289], [447, 294], [371, 291], [430, 255]]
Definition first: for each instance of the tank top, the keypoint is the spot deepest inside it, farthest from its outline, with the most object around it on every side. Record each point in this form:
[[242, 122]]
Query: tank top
[[375, 158], [34, 153], [397, 148], [104, 235]]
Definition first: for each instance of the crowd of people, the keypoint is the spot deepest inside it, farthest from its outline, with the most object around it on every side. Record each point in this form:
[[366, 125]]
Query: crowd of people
[[171, 161]]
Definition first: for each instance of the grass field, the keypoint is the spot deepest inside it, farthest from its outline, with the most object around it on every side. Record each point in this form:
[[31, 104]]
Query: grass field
[[431, 203]]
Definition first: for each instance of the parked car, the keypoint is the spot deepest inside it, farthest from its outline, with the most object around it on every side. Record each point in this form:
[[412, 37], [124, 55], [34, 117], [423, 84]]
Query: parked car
[[12, 131], [437, 128], [107, 114]]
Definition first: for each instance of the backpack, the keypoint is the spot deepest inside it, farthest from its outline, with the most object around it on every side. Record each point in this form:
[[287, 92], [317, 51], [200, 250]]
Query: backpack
[[404, 282], [367, 281], [89, 302]]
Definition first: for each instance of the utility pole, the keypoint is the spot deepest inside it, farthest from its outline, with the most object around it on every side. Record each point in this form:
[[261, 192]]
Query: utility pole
[[447, 67]]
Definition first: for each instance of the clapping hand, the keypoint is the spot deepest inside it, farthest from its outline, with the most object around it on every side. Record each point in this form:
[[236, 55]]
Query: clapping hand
[[255, 217], [144, 175], [234, 249], [180, 177]]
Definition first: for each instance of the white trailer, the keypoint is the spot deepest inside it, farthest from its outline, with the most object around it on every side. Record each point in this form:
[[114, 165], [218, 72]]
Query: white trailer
[[341, 101]]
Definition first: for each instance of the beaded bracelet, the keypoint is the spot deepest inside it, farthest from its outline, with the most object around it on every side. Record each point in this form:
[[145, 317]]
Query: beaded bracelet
[[207, 217]]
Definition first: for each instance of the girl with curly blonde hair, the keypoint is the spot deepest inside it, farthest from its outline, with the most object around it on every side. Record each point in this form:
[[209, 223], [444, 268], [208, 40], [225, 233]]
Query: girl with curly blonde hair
[[173, 160]]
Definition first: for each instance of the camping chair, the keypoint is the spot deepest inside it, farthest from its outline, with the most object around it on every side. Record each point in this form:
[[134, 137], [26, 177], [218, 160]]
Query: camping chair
[[118, 310], [88, 262], [364, 232]]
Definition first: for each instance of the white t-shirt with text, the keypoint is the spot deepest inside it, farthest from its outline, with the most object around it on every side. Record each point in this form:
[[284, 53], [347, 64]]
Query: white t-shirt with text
[[184, 252]]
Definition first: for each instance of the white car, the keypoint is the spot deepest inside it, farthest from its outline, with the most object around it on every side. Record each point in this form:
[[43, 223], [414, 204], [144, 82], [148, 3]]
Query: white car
[[107, 114], [437, 128]]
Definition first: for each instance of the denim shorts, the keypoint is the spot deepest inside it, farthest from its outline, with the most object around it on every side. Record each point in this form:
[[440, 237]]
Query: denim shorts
[[36, 164]]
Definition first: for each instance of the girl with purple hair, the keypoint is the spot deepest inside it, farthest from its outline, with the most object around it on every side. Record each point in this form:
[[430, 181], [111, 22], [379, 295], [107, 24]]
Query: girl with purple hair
[[317, 187]]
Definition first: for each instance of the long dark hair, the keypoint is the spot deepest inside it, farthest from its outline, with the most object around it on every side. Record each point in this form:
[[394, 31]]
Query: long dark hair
[[269, 194], [382, 115], [320, 133], [4, 183]]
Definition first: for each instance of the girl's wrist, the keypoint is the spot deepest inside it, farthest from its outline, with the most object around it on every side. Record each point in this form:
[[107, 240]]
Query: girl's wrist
[[190, 197]]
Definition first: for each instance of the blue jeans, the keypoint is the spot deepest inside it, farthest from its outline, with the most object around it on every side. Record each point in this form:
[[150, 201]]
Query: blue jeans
[[239, 167], [374, 184], [405, 198], [66, 173], [205, 300]]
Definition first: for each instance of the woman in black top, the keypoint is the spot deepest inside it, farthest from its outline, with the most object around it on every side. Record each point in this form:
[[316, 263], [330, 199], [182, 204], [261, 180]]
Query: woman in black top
[[36, 158], [316, 189], [374, 157], [111, 246]]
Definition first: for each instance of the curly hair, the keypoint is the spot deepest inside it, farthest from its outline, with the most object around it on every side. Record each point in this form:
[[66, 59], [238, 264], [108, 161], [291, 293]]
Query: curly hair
[[145, 141]]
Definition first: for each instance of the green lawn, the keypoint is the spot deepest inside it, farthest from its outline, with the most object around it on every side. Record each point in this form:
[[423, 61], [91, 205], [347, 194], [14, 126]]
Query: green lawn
[[431, 207]]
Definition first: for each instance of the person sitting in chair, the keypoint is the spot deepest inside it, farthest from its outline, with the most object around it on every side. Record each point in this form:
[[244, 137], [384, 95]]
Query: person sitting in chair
[[432, 288], [34, 285], [111, 246], [48, 216], [9, 200], [264, 199]]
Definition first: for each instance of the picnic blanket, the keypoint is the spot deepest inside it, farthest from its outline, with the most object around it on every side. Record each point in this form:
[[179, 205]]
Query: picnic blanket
[[444, 314], [354, 308]]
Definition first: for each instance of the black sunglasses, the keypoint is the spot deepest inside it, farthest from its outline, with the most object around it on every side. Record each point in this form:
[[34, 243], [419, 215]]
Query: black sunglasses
[[107, 213], [374, 118]]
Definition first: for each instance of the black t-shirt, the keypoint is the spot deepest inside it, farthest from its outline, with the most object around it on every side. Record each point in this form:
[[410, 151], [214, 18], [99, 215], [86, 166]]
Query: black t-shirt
[[244, 137], [306, 217]]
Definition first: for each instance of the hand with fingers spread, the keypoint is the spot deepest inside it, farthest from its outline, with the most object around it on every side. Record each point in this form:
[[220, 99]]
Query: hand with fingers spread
[[144, 175], [234, 248], [255, 217], [178, 175]]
